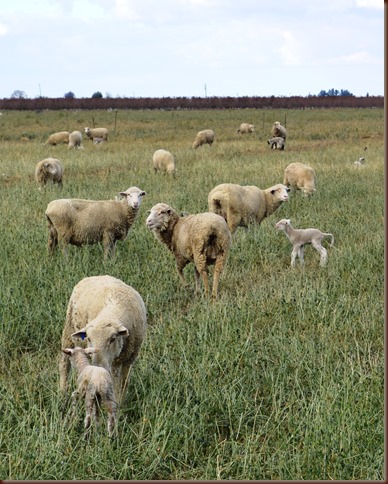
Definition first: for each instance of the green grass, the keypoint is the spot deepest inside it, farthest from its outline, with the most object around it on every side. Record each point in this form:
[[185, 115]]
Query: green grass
[[280, 378]]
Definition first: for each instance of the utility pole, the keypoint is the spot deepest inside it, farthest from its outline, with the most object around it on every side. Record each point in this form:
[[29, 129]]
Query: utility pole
[[205, 91]]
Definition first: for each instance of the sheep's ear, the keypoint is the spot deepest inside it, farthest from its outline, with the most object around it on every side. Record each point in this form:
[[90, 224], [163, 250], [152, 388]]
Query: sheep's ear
[[122, 331], [67, 351], [81, 334], [123, 194], [143, 194]]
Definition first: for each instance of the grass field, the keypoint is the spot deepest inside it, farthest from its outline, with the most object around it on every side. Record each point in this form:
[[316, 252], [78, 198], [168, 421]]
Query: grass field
[[281, 378]]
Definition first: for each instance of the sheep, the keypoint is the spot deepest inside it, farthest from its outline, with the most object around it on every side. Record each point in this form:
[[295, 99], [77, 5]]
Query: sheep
[[246, 128], [49, 169], [279, 130], [203, 239], [93, 133], [57, 138], [97, 141], [75, 140], [163, 160], [80, 222], [105, 313], [95, 385], [359, 162], [242, 205], [300, 237], [277, 143], [301, 177], [204, 137]]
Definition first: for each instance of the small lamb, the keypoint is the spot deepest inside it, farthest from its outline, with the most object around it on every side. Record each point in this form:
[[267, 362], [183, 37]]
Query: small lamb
[[359, 162], [94, 384], [300, 237]]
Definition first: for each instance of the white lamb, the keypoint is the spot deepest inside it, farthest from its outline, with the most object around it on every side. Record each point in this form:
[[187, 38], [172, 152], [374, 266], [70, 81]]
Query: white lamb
[[203, 239], [163, 160], [277, 143], [57, 138], [204, 137], [107, 314], [94, 384], [49, 169], [243, 205], [359, 162], [75, 140], [246, 128], [80, 222], [93, 133], [300, 237], [279, 130], [301, 177]]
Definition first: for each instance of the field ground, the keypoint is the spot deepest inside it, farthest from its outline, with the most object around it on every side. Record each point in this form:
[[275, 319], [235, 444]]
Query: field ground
[[281, 378]]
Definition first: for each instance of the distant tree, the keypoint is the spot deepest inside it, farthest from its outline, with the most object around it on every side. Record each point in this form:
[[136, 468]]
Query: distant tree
[[69, 95], [335, 92], [345, 92], [18, 94], [97, 95], [322, 93]]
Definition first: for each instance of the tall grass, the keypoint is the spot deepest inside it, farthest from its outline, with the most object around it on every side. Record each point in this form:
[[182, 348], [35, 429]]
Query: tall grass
[[280, 378]]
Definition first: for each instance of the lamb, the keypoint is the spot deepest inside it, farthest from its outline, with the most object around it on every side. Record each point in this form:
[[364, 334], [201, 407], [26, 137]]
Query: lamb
[[301, 177], [204, 137], [242, 205], [49, 169], [203, 239], [359, 162], [80, 222], [277, 143], [246, 128], [95, 385], [300, 237], [163, 160], [75, 140], [57, 138], [279, 130], [93, 133], [105, 313]]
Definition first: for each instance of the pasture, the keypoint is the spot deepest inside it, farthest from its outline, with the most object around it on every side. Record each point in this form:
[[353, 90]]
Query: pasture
[[281, 378]]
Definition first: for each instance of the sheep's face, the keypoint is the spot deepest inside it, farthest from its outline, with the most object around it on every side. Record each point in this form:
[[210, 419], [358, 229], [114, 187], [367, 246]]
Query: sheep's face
[[159, 217], [134, 196], [280, 192], [282, 224], [50, 168]]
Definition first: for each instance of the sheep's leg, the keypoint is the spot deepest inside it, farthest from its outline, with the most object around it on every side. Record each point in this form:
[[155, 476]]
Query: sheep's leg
[[180, 265], [64, 370], [205, 281], [89, 403], [53, 239], [294, 253], [109, 246], [301, 254], [323, 252], [111, 408], [197, 280]]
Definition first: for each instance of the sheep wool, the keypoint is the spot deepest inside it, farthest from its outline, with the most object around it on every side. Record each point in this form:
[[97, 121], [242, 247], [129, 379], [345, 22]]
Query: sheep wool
[[300, 177]]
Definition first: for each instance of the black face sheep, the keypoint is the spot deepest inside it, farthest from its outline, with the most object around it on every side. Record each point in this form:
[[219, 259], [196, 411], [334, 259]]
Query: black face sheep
[[204, 137], [80, 222], [75, 140], [277, 143], [94, 384], [93, 133], [243, 205], [300, 237], [49, 169], [58, 138], [203, 239], [105, 313], [301, 177], [279, 130], [246, 128], [163, 160]]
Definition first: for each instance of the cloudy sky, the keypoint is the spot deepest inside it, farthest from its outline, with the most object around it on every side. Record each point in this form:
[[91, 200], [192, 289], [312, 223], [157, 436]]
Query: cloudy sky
[[156, 48]]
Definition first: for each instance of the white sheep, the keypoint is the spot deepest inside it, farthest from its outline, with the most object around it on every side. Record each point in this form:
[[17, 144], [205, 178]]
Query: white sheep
[[105, 313], [94, 384], [97, 141], [242, 205], [93, 133], [49, 169], [163, 160], [80, 222], [57, 138], [300, 237], [246, 128], [204, 137], [276, 143], [279, 131], [359, 162], [203, 239], [301, 177], [75, 140]]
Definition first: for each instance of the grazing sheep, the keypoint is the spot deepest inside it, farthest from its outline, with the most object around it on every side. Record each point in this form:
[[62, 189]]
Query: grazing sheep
[[301, 177], [277, 143], [95, 385], [204, 137], [279, 130], [164, 161], [57, 138], [49, 169], [75, 140], [242, 205], [359, 162], [105, 313], [300, 237], [246, 128], [93, 133], [80, 222], [203, 239]]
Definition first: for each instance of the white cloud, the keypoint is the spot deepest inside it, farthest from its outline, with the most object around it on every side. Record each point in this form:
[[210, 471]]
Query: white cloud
[[3, 29], [361, 57], [370, 4], [290, 50]]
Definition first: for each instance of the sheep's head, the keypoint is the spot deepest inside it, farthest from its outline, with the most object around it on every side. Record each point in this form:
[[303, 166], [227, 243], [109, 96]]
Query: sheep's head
[[280, 192], [133, 196], [159, 217], [282, 224]]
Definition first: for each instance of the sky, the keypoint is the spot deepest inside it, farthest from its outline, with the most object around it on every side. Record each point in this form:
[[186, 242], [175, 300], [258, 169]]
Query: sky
[[173, 48]]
